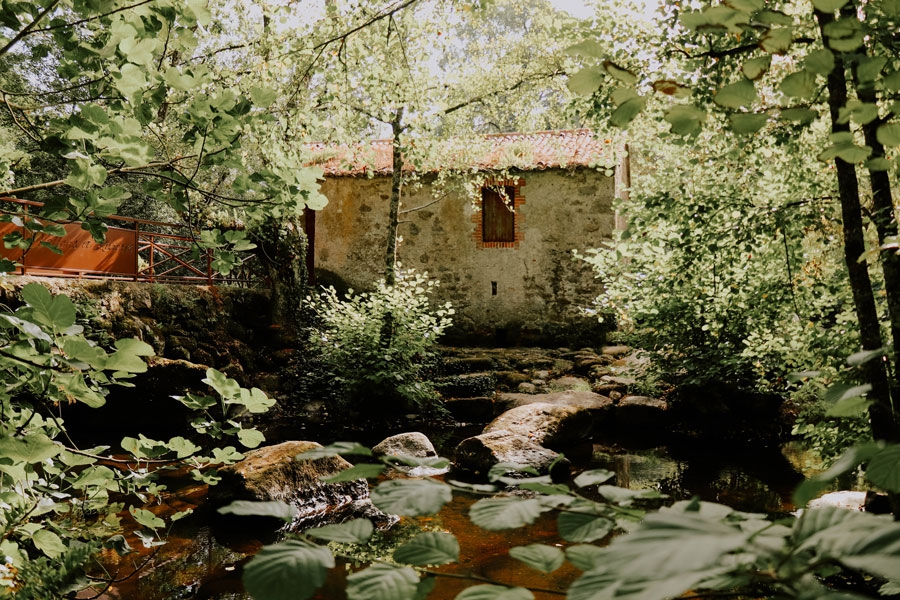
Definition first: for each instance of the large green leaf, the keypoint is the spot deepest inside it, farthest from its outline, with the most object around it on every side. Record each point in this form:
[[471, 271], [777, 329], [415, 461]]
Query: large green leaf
[[888, 134], [539, 556], [593, 477], [851, 459], [685, 119], [429, 548], [494, 592], [755, 68], [292, 570], [585, 556], [48, 542], [32, 448], [627, 111], [412, 497], [505, 513], [273, 508], [747, 122], [383, 582], [335, 449], [884, 469], [777, 40], [53, 311], [801, 84], [586, 81], [355, 531], [741, 94], [226, 387], [829, 6], [583, 526]]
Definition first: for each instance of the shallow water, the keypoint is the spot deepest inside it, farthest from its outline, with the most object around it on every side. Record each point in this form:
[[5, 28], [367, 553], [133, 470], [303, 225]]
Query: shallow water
[[204, 556]]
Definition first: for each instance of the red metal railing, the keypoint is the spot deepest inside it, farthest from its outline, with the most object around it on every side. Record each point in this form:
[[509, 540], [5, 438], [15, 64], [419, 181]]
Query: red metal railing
[[136, 253]]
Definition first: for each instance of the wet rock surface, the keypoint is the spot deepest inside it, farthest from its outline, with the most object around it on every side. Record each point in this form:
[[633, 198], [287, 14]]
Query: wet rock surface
[[273, 473], [475, 456], [550, 425]]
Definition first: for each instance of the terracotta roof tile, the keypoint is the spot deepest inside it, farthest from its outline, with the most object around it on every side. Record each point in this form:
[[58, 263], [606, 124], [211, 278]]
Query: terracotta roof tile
[[524, 151]]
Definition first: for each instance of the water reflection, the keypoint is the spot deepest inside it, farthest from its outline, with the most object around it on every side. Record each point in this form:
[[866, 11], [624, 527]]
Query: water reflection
[[204, 556]]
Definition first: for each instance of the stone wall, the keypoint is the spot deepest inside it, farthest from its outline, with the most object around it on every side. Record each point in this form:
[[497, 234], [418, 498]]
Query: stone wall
[[532, 292]]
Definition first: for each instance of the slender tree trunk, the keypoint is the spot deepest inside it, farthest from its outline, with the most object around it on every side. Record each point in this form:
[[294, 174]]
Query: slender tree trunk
[[881, 410], [390, 259], [281, 248]]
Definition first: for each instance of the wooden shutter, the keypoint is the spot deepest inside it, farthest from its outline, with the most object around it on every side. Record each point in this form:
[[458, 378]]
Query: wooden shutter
[[499, 222]]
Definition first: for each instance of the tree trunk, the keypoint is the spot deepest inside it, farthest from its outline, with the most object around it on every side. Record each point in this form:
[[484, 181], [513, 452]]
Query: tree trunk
[[390, 259], [281, 248], [875, 371]]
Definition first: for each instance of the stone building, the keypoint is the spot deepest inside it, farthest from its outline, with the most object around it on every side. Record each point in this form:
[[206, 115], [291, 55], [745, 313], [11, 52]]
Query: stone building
[[510, 274]]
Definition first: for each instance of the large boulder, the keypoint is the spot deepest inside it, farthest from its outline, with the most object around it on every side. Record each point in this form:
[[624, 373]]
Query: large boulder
[[412, 444], [477, 455], [272, 473], [642, 413], [551, 425]]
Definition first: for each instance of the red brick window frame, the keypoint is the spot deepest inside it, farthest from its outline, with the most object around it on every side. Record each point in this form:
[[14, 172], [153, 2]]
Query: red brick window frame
[[493, 228]]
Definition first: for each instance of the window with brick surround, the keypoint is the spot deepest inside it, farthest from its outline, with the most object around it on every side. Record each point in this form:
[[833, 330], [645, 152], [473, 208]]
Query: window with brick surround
[[498, 221], [496, 226]]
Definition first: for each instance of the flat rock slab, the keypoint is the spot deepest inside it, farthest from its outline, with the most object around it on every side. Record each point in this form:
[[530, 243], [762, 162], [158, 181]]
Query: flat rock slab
[[595, 403], [477, 455], [550, 425]]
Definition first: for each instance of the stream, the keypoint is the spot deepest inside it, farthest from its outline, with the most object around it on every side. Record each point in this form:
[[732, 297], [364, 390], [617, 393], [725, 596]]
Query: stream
[[204, 554]]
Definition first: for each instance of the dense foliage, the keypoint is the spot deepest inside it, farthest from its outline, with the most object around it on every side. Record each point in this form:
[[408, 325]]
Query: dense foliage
[[60, 503], [381, 347]]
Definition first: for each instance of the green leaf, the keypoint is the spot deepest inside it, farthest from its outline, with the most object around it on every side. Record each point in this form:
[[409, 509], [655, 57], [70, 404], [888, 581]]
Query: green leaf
[[747, 122], [755, 68], [849, 407], [860, 112], [829, 6], [429, 548], [272, 508], [888, 134], [864, 356], [356, 472], [539, 556], [583, 526], [146, 518], [685, 119], [263, 96], [413, 497], [627, 111], [292, 570], [54, 311], [182, 447], [355, 531], [505, 513], [741, 94], [620, 73], [32, 448], [383, 582], [777, 40], [225, 386], [255, 400], [841, 391], [586, 81], [868, 68], [851, 459], [48, 542], [884, 469], [136, 347], [593, 477], [250, 438], [494, 592], [820, 62], [587, 48], [801, 84], [335, 449], [585, 556]]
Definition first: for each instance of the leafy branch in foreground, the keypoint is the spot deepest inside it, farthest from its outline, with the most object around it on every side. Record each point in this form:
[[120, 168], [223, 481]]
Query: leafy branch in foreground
[[60, 504], [702, 547]]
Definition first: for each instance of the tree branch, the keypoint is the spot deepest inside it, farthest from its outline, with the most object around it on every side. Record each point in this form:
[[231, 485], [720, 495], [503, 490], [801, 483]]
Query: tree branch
[[28, 28], [94, 18]]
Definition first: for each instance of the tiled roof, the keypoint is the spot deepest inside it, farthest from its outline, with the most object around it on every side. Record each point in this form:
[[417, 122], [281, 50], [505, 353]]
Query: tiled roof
[[523, 151]]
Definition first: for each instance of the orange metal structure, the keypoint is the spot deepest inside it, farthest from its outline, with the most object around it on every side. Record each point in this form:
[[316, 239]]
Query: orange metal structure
[[141, 250]]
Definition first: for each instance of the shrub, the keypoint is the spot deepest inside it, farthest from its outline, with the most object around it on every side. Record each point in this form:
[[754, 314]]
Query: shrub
[[380, 345]]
